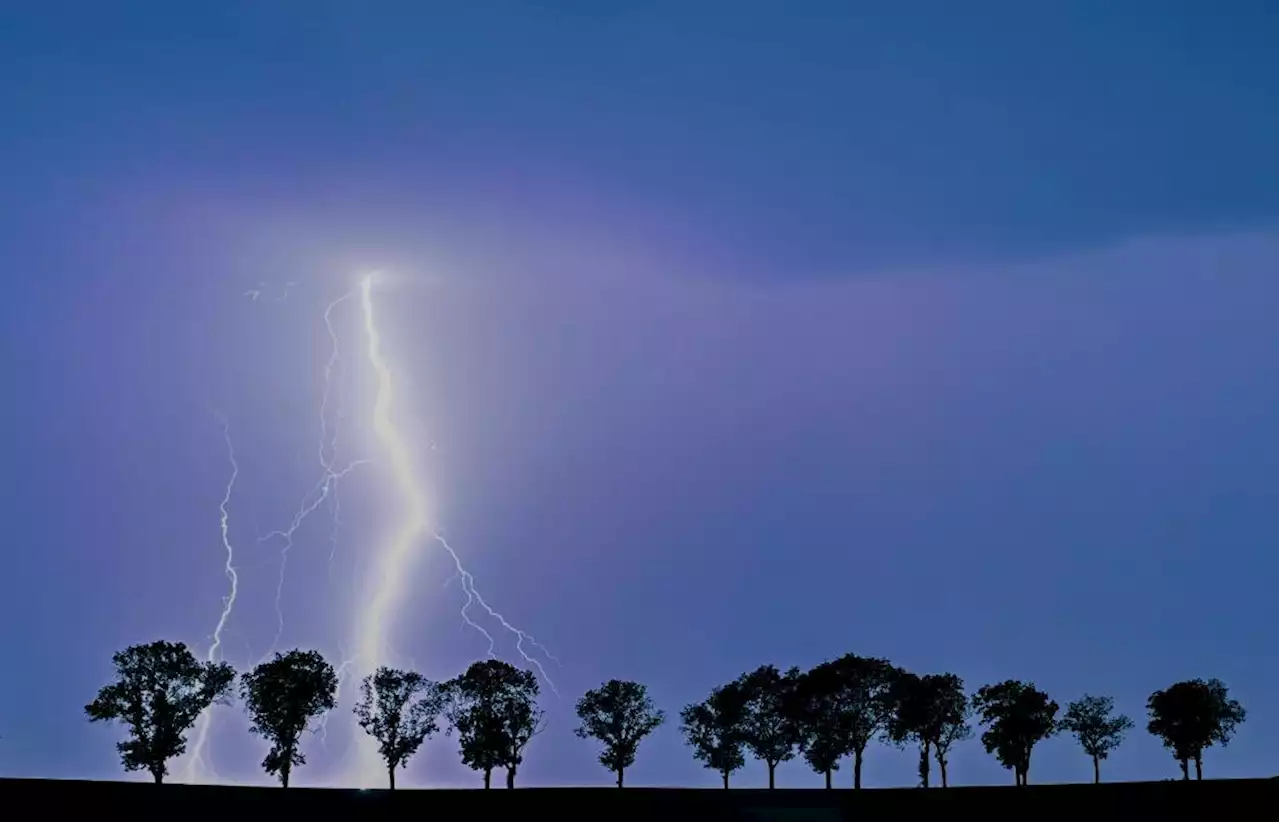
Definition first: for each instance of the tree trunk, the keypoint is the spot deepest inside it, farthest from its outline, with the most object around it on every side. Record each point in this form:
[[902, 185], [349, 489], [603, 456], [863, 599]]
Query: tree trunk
[[391, 776], [1185, 775], [511, 777], [828, 775], [158, 776], [924, 765], [488, 777], [619, 777], [942, 771], [1026, 766], [771, 766], [1199, 772], [284, 777], [857, 768], [725, 776], [1097, 772]]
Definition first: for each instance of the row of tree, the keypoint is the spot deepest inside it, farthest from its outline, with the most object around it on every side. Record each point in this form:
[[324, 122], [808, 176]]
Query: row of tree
[[161, 690], [836, 709], [825, 715]]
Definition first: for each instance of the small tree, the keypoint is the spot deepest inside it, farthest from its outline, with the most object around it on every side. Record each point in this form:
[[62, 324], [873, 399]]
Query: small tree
[[823, 740], [1017, 716], [930, 711], [618, 714], [399, 709], [713, 728], [770, 730], [953, 726], [1191, 716], [160, 691], [493, 707], [1099, 733], [282, 696]]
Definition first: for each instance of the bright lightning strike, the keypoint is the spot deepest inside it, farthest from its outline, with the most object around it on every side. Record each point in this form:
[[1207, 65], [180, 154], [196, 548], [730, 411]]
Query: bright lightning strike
[[393, 562], [196, 764]]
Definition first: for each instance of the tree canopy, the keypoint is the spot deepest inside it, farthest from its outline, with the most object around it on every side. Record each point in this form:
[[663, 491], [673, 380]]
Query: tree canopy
[[160, 691], [619, 714], [1191, 716], [399, 710], [713, 728], [1017, 716], [1090, 720], [282, 696], [493, 707]]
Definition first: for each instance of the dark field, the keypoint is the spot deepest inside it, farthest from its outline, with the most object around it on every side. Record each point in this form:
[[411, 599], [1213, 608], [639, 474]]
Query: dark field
[[1211, 799]]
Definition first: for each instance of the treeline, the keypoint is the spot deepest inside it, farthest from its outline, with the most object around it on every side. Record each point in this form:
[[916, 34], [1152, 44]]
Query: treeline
[[826, 715]]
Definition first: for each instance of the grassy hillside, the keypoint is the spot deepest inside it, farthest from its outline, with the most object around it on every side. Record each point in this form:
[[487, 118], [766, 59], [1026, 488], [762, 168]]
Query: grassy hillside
[[1236, 798]]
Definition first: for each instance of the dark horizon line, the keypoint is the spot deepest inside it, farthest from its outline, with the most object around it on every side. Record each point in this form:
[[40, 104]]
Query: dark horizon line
[[630, 788]]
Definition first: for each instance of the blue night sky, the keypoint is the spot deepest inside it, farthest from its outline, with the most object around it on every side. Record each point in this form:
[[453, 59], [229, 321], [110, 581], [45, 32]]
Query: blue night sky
[[724, 333]]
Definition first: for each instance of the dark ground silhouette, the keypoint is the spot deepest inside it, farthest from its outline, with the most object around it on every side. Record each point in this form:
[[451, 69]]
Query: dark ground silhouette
[[1210, 799]]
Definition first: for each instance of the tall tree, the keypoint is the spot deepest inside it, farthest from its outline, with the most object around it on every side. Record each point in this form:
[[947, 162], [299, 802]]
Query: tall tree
[[930, 711], [282, 696], [769, 728], [713, 728], [1193, 715], [159, 692], [1017, 716], [1089, 719], [399, 710], [863, 702], [619, 714], [494, 708]]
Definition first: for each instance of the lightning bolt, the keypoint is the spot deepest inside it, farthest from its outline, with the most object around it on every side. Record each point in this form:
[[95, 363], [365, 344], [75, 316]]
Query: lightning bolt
[[343, 671], [326, 488], [327, 462], [474, 598], [196, 765], [393, 563]]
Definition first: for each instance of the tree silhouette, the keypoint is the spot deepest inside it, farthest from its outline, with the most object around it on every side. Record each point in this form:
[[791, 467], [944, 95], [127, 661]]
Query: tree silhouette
[[399, 709], [619, 714], [1099, 733], [863, 702], [931, 712], [1191, 716], [823, 740], [769, 727], [282, 696], [493, 707], [1017, 716], [159, 692], [714, 729]]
